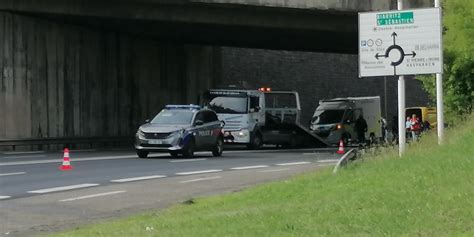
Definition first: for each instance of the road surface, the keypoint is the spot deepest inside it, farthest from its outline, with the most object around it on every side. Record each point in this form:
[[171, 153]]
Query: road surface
[[36, 197]]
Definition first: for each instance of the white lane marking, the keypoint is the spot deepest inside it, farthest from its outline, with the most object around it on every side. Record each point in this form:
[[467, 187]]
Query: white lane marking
[[63, 188], [93, 196], [294, 163], [137, 178], [16, 173], [201, 179], [177, 161], [22, 152], [323, 161], [4, 197], [249, 167], [73, 160], [17, 157], [198, 172], [273, 170]]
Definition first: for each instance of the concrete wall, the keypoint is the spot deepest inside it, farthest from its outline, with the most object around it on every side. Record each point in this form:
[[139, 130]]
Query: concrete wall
[[62, 80], [314, 75], [341, 5]]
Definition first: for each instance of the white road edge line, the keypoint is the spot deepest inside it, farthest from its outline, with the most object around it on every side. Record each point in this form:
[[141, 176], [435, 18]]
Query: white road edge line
[[201, 179], [322, 161], [16, 173], [22, 152], [177, 161], [92, 196], [198, 172], [294, 163], [4, 197], [326, 164], [273, 170], [74, 160], [137, 178], [79, 150], [63, 188], [30, 156], [249, 167]]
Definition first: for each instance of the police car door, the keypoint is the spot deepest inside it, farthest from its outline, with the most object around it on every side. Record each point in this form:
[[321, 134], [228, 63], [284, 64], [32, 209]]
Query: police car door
[[199, 131], [214, 126]]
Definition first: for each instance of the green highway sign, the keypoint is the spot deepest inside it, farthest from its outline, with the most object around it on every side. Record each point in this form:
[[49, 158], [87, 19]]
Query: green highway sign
[[395, 18], [406, 42]]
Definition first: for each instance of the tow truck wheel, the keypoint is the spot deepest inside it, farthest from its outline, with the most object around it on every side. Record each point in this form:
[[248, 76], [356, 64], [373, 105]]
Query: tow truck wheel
[[218, 148], [142, 154], [291, 144], [188, 150], [174, 154], [255, 141]]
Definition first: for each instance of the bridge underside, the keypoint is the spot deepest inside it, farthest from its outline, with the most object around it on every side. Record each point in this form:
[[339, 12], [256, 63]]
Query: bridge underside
[[221, 24]]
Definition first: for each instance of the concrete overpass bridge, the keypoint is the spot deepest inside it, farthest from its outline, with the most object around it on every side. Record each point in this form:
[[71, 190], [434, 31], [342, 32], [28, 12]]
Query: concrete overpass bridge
[[100, 67], [310, 25]]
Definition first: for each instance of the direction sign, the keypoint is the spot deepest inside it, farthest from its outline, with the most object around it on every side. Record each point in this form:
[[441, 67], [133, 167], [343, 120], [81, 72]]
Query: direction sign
[[400, 42]]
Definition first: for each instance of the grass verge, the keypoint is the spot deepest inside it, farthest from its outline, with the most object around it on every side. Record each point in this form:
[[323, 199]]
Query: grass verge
[[428, 192]]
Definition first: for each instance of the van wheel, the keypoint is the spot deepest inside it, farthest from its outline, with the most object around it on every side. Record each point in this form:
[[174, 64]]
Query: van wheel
[[255, 141], [188, 150], [346, 137], [142, 154], [174, 154], [219, 147]]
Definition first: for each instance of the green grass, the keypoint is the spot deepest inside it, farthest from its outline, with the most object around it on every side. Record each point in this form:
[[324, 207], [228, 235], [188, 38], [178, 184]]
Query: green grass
[[428, 192]]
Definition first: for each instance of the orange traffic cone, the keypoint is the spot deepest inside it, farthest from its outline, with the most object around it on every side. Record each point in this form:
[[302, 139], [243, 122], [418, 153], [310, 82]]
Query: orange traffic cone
[[66, 162], [341, 147]]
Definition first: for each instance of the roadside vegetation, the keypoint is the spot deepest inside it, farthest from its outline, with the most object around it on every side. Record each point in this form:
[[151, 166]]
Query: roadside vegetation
[[427, 192], [458, 50]]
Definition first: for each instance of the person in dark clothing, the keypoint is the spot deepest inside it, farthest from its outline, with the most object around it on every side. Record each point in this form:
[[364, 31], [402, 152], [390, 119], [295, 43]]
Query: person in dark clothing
[[395, 126], [426, 126], [361, 129]]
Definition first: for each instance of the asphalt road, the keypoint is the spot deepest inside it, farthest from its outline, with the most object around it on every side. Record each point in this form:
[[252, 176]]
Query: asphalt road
[[35, 196]]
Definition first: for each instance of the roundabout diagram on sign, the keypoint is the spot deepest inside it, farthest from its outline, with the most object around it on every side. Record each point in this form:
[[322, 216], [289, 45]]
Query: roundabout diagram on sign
[[399, 49]]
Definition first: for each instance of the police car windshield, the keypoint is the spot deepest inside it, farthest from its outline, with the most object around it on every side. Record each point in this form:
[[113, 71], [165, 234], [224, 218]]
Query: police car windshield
[[173, 117], [228, 104], [328, 116]]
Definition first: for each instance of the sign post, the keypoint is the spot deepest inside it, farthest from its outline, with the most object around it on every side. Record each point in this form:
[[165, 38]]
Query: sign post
[[398, 43], [439, 95], [401, 94]]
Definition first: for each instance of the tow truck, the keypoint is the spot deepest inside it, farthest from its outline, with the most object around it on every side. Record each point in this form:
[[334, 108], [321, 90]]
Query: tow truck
[[261, 116]]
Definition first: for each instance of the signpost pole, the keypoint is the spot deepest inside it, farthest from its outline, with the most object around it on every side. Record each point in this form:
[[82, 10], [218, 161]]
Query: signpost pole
[[439, 89], [401, 106]]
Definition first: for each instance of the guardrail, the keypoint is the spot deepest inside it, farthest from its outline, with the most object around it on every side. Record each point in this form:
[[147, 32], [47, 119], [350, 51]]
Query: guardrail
[[344, 159], [66, 141]]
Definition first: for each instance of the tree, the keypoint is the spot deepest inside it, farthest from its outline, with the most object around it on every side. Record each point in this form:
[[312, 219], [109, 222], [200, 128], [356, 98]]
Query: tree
[[458, 42]]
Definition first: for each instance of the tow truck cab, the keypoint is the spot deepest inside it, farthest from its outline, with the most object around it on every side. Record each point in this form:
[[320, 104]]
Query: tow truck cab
[[257, 117]]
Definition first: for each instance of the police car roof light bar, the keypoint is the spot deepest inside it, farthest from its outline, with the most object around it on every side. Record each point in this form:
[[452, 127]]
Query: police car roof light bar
[[190, 106]]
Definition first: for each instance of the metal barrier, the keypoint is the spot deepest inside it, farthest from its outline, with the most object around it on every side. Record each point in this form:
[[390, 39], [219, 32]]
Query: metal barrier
[[67, 141], [343, 160]]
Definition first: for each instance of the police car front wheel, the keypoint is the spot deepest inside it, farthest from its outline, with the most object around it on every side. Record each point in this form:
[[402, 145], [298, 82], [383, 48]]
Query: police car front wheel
[[142, 154], [188, 150]]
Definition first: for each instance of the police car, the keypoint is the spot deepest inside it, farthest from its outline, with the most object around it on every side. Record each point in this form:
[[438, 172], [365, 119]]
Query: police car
[[181, 129]]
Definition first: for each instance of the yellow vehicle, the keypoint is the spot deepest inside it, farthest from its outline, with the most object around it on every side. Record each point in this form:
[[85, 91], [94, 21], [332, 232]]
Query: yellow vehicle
[[424, 113]]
